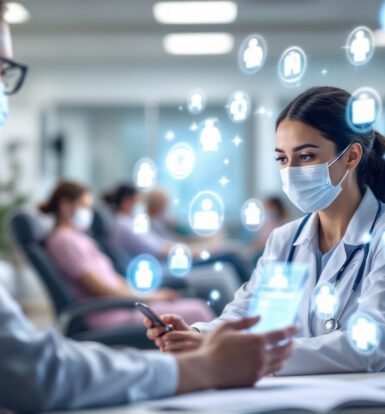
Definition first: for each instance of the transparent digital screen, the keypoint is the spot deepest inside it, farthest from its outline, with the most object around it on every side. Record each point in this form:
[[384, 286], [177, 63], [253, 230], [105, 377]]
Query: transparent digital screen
[[277, 296]]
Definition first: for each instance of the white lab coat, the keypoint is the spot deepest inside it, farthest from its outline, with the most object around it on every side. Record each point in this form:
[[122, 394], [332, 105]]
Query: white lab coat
[[327, 353]]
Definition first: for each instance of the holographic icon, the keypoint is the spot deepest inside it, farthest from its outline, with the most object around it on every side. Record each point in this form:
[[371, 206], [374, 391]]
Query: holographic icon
[[210, 136], [145, 174], [364, 109], [144, 273], [238, 106], [325, 301], [180, 161], [292, 65], [278, 280], [252, 214], [141, 223], [215, 295], [206, 213], [196, 101], [252, 54], [360, 45], [180, 260], [364, 333]]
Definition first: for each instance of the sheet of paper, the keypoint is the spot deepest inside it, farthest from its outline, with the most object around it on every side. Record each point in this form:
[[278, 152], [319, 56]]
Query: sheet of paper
[[275, 394]]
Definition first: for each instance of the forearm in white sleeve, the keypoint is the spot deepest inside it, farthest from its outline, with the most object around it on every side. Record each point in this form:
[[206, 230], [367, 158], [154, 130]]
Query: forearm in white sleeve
[[43, 371]]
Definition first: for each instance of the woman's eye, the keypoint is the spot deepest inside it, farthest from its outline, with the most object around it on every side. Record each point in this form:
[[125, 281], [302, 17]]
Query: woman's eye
[[306, 157], [281, 160]]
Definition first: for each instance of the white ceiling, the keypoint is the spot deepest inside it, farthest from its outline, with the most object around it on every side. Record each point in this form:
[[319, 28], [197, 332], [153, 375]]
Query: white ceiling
[[87, 31]]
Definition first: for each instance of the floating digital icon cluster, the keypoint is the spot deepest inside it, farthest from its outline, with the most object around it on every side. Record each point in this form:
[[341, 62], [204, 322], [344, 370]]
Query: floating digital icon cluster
[[179, 260], [364, 333], [144, 273]]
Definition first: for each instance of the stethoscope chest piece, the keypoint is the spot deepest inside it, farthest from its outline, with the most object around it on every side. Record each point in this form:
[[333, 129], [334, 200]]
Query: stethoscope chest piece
[[331, 325]]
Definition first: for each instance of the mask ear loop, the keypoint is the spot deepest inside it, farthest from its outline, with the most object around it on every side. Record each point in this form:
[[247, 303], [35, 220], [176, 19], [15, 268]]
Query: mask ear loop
[[338, 156]]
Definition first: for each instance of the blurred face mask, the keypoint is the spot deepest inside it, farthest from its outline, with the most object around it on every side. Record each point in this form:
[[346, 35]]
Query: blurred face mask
[[3, 106], [82, 219], [310, 188]]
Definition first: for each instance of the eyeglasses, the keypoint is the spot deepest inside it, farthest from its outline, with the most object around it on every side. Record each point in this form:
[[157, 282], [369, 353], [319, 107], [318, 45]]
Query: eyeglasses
[[12, 75]]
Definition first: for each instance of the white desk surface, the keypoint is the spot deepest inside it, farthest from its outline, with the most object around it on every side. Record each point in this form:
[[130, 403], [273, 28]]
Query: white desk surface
[[344, 377]]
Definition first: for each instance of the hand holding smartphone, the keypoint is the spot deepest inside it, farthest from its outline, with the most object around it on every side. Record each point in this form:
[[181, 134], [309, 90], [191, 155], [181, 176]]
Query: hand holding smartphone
[[154, 318]]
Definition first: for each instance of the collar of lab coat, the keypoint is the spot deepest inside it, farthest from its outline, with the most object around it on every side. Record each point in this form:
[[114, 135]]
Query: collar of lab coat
[[358, 226]]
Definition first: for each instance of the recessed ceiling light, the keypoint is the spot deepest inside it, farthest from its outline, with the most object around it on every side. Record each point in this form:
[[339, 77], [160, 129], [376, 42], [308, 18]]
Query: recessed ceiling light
[[198, 43], [195, 12], [15, 13]]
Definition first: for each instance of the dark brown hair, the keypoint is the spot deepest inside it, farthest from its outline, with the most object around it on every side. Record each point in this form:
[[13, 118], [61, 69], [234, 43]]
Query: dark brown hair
[[116, 196], [325, 108], [65, 190]]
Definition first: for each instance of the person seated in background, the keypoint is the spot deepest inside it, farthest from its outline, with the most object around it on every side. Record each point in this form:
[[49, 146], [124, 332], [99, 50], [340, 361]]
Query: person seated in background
[[162, 223], [90, 273], [125, 237], [277, 215]]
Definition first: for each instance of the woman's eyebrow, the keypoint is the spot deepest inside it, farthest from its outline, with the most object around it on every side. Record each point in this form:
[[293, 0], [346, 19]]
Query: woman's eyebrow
[[299, 148]]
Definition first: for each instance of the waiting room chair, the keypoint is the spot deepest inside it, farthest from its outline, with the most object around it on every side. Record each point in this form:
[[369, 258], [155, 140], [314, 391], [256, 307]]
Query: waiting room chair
[[29, 236]]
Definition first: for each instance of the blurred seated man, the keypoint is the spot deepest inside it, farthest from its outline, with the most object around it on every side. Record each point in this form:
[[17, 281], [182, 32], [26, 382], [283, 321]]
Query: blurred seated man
[[128, 238], [90, 273], [157, 203]]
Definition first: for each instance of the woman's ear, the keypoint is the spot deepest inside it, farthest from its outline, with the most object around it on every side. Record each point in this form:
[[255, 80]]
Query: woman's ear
[[354, 155]]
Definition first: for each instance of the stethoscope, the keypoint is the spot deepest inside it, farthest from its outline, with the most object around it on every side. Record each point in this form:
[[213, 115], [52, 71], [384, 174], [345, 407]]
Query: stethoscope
[[333, 324]]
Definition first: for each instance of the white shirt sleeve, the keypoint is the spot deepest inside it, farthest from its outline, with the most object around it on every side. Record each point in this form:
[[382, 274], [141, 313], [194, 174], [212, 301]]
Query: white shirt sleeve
[[41, 370]]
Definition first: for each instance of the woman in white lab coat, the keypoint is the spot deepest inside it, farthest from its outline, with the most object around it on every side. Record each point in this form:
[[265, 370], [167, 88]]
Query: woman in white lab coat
[[336, 174]]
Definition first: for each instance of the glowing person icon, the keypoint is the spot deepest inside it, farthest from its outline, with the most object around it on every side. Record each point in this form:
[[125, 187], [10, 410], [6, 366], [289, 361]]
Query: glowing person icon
[[210, 136], [179, 260], [253, 54], [196, 102], [141, 223], [252, 214], [292, 64], [144, 275], [145, 176], [360, 47], [278, 280], [239, 107], [363, 109], [326, 302], [206, 218]]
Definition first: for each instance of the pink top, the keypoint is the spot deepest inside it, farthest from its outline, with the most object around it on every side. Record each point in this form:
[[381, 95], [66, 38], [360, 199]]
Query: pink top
[[76, 254]]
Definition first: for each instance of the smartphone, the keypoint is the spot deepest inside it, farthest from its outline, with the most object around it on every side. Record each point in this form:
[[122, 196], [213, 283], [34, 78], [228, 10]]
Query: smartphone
[[154, 318], [278, 295]]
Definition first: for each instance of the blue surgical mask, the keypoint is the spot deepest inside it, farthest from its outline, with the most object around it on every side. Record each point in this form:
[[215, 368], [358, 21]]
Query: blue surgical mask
[[310, 187], [3, 106]]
